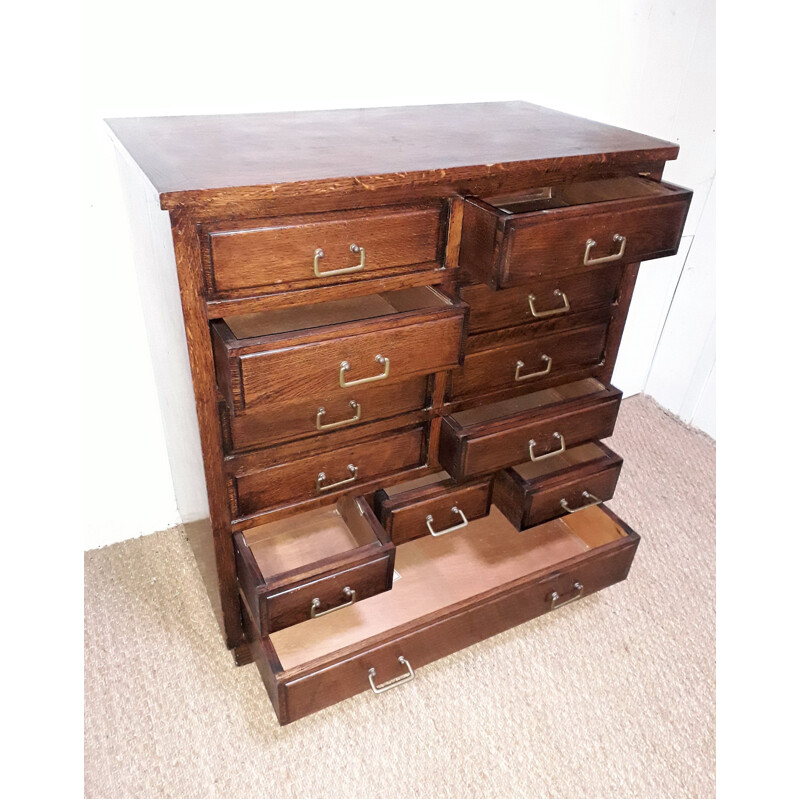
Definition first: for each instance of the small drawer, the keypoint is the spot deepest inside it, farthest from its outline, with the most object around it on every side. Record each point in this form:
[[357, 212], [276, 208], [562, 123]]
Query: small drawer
[[536, 427], [431, 506], [323, 414], [255, 488], [562, 300], [451, 592], [336, 350], [537, 491], [313, 564], [509, 241], [311, 250], [520, 359]]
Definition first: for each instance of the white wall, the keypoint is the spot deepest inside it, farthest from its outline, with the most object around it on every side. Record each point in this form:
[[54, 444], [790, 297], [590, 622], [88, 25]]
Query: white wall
[[642, 65]]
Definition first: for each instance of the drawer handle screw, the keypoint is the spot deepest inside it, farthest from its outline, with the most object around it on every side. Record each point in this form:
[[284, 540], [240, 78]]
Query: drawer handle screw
[[593, 501], [590, 243], [542, 314], [455, 510], [394, 681], [345, 366], [315, 603], [543, 456], [320, 253]]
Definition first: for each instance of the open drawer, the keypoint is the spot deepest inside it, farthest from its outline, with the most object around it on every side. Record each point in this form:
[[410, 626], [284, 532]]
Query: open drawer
[[312, 564], [532, 427], [450, 592], [536, 491], [300, 359], [507, 241], [433, 505]]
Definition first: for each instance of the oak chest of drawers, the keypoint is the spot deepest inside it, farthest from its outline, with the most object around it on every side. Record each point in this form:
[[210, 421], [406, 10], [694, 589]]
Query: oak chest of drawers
[[383, 341]]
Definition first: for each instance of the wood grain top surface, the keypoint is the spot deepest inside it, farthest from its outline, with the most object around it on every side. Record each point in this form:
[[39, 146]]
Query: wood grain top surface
[[196, 154]]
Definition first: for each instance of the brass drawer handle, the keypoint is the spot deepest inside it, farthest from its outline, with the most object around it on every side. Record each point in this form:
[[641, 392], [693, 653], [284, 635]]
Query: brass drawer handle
[[593, 501], [456, 510], [322, 477], [345, 366], [342, 422], [553, 312], [543, 456], [554, 597], [319, 253], [394, 681], [315, 603], [590, 243], [545, 371]]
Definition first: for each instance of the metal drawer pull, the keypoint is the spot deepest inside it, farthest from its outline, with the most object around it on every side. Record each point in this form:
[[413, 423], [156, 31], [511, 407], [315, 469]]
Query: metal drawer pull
[[456, 510], [330, 425], [345, 366], [554, 597], [590, 243], [394, 681], [315, 603], [532, 444], [521, 364], [319, 253], [322, 477], [593, 501], [553, 312]]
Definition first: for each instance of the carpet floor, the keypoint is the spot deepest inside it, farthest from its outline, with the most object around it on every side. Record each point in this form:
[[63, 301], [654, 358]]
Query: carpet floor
[[613, 696]]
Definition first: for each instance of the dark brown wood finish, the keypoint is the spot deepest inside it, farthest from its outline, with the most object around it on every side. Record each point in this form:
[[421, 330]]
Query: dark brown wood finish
[[463, 200]]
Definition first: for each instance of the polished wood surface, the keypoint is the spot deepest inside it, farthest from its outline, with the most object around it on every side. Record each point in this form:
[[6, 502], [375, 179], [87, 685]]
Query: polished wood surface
[[185, 156]]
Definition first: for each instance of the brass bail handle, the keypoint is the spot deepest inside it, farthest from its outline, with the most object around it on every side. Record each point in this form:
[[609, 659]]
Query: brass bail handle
[[454, 510], [322, 477], [590, 243], [592, 501], [557, 602], [384, 687], [319, 253], [344, 368], [518, 376], [562, 309], [543, 456], [349, 593]]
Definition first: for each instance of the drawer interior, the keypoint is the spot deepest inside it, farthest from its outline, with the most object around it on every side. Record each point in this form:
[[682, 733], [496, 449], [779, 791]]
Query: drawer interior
[[417, 483], [528, 402], [335, 312], [294, 543], [433, 574], [572, 457], [576, 194]]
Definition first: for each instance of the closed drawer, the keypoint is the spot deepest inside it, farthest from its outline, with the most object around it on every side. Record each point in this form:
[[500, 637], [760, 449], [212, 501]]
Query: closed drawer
[[509, 241], [434, 505], [451, 593], [323, 414], [333, 349], [313, 564], [322, 249], [536, 491], [327, 473], [541, 304], [526, 360], [534, 426]]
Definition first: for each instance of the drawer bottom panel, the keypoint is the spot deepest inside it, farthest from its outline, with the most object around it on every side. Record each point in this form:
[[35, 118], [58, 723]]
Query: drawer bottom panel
[[491, 578]]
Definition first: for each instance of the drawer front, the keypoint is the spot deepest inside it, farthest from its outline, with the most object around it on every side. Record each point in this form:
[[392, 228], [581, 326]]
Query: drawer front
[[322, 414], [531, 503], [385, 356], [555, 242], [540, 302], [329, 473], [431, 512], [322, 249], [298, 603], [551, 432], [298, 696], [530, 363]]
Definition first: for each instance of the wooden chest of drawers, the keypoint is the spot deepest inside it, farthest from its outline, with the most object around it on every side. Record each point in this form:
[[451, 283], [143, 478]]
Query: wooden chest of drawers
[[383, 341]]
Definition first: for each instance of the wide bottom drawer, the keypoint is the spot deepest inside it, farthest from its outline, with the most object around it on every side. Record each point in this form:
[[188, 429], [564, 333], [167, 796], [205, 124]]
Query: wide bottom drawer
[[449, 593]]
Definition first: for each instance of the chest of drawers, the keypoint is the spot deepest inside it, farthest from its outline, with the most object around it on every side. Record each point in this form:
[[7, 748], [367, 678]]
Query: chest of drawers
[[383, 341]]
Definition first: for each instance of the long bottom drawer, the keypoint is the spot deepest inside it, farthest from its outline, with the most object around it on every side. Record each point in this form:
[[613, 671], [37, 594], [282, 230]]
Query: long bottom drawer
[[451, 592]]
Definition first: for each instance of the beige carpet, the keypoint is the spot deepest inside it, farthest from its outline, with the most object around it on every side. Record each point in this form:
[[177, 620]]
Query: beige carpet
[[610, 697]]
